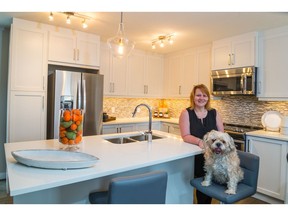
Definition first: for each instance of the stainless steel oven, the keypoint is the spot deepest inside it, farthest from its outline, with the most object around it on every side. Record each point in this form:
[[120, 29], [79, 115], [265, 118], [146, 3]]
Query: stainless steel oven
[[236, 81], [238, 133]]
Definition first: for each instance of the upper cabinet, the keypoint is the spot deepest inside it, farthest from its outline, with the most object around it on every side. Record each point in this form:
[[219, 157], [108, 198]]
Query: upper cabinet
[[272, 71], [114, 71], [185, 69], [74, 48], [238, 51], [138, 75], [145, 74]]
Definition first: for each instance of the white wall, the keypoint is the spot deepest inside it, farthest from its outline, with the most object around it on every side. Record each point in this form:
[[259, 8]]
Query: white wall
[[4, 50]]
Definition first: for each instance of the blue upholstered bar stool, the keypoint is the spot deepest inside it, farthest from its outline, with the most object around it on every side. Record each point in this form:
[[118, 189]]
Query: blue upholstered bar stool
[[246, 188], [147, 188]]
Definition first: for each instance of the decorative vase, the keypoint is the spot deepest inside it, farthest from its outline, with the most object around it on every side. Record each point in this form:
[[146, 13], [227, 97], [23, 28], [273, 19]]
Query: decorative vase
[[70, 129]]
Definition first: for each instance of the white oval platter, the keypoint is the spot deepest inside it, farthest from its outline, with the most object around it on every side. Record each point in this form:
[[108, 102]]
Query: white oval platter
[[54, 159]]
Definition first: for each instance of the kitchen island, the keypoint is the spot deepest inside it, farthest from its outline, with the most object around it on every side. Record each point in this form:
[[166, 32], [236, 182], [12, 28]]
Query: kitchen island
[[36, 185]]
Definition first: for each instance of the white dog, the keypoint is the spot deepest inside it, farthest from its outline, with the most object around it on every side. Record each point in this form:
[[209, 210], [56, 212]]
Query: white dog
[[222, 163]]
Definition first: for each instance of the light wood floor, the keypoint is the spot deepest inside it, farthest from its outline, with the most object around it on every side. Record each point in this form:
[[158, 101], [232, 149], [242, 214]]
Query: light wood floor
[[6, 199]]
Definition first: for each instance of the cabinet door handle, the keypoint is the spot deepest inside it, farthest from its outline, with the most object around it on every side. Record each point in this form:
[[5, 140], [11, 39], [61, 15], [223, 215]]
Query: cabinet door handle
[[248, 146], [43, 103], [74, 54], [232, 59], [229, 59], [179, 90], [78, 53], [43, 83]]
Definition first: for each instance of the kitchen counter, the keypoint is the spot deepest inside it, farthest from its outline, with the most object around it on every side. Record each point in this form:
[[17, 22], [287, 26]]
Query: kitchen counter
[[268, 134], [35, 185]]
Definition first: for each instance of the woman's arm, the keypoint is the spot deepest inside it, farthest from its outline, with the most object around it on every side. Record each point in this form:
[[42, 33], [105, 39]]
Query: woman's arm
[[184, 125]]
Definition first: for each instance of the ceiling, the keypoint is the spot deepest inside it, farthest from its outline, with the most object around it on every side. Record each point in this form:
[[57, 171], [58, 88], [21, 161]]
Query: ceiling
[[191, 28]]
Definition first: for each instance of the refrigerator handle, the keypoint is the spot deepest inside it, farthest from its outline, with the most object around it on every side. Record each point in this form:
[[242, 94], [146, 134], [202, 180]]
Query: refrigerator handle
[[79, 98], [84, 95]]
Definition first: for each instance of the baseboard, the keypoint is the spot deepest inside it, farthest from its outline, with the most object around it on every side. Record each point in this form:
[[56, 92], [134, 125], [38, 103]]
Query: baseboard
[[2, 175], [267, 199]]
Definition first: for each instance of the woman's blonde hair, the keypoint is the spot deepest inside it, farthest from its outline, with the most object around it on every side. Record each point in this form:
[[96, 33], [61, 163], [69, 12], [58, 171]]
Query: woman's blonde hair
[[204, 90]]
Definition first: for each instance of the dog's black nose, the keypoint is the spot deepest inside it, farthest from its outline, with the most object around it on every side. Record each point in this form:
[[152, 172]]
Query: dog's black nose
[[218, 145]]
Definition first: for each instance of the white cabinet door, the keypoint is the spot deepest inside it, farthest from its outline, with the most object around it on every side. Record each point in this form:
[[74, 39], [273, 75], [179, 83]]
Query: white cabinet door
[[88, 47], [28, 58], [105, 65], [154, 75], [273, 165], [75, 48], [238, 51], [173, 76], [204, 65], [273, 76], [62, 47], [170, 128], [26, 116], [136, 84], [118, 84]]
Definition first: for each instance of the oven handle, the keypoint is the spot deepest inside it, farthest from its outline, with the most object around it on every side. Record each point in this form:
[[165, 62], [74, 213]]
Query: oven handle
[[239, 141], [234, 132]]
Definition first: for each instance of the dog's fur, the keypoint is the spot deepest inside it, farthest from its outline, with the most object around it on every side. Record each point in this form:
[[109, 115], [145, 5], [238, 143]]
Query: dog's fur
[[222, 163]]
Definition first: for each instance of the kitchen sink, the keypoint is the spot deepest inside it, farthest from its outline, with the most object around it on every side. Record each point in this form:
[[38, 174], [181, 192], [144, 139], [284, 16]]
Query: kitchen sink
[[120, 140], [144, 137], [132, 138]]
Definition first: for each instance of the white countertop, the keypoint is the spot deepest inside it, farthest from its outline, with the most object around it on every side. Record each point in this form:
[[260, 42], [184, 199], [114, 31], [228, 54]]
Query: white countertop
[[141, 120], [113, 158], [268, 134]]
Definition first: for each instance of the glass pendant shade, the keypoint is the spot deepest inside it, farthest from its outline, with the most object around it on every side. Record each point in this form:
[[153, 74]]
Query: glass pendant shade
[[120, 46]]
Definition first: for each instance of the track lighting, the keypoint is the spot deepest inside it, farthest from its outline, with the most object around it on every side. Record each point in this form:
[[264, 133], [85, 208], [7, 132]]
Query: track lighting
[[69, 15], [162, 39]]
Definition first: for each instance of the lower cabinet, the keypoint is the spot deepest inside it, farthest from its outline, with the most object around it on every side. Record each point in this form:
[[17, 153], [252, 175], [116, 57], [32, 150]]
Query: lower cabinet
[[170, 128], [122, 128], [26, 116], [273, 165]]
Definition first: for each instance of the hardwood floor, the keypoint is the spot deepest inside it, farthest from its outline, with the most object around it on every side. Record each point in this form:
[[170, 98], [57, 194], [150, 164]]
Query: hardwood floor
[[6, 199]]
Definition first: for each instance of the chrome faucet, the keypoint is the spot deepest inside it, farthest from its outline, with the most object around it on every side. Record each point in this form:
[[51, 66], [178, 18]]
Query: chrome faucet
[[149, 132]]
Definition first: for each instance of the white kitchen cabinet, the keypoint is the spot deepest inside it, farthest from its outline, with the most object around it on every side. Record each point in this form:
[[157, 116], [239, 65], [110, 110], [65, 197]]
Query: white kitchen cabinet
[[27, 80], [272, 71], [74, 47], [27, 115], [118, 128], [185, 69], [170, 128], [114, 71], [28, 58], [145, 126], [145, 74], [273, 165], [238, 51]]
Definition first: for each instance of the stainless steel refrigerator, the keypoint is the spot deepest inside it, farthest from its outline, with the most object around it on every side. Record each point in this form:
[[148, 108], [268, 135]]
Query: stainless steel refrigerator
[[77, 90]]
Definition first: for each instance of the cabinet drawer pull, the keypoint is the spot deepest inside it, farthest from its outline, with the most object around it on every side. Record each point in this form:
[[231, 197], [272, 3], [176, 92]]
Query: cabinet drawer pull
[[74, 54]]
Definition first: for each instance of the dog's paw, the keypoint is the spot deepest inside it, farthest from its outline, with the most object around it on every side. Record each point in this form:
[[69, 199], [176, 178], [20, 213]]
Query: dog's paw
[[230, 191], [205, 183]]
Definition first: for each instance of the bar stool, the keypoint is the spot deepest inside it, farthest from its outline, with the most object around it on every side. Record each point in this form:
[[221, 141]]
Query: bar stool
[[246, 188], [147, 188]]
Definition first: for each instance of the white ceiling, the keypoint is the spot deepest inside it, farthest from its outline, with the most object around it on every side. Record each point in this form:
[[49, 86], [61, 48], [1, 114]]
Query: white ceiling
[[191, 28]]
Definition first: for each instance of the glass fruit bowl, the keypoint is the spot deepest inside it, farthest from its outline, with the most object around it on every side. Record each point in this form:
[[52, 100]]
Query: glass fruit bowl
[[71, 128]]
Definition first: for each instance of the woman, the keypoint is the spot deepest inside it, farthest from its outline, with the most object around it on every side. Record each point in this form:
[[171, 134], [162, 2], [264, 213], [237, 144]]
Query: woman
[[195, 122]]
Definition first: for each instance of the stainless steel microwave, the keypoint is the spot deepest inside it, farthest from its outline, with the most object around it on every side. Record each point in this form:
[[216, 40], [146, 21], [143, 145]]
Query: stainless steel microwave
[[236, 81]]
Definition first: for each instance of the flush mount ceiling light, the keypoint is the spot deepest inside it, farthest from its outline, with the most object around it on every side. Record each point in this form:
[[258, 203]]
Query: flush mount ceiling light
[[68, 15], [162, 40], [120, 45]]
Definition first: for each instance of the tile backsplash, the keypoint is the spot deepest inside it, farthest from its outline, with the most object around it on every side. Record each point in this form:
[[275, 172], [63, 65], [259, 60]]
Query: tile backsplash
[[246, 110]]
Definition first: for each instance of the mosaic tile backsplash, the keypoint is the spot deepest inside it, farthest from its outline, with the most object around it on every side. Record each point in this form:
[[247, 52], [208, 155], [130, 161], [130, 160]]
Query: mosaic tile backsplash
[[245, 110]]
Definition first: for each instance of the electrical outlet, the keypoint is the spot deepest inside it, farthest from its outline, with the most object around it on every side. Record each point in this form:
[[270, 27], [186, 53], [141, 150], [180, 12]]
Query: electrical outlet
[[113, 109]]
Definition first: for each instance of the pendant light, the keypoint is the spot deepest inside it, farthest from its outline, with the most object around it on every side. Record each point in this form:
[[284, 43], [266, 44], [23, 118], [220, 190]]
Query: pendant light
[[119, 45]]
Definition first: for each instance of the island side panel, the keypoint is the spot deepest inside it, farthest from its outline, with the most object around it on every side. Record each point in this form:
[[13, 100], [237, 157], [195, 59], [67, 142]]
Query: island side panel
[[179, 190]]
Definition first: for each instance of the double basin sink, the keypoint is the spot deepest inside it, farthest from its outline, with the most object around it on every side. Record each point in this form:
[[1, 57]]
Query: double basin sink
[[132, 138]]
